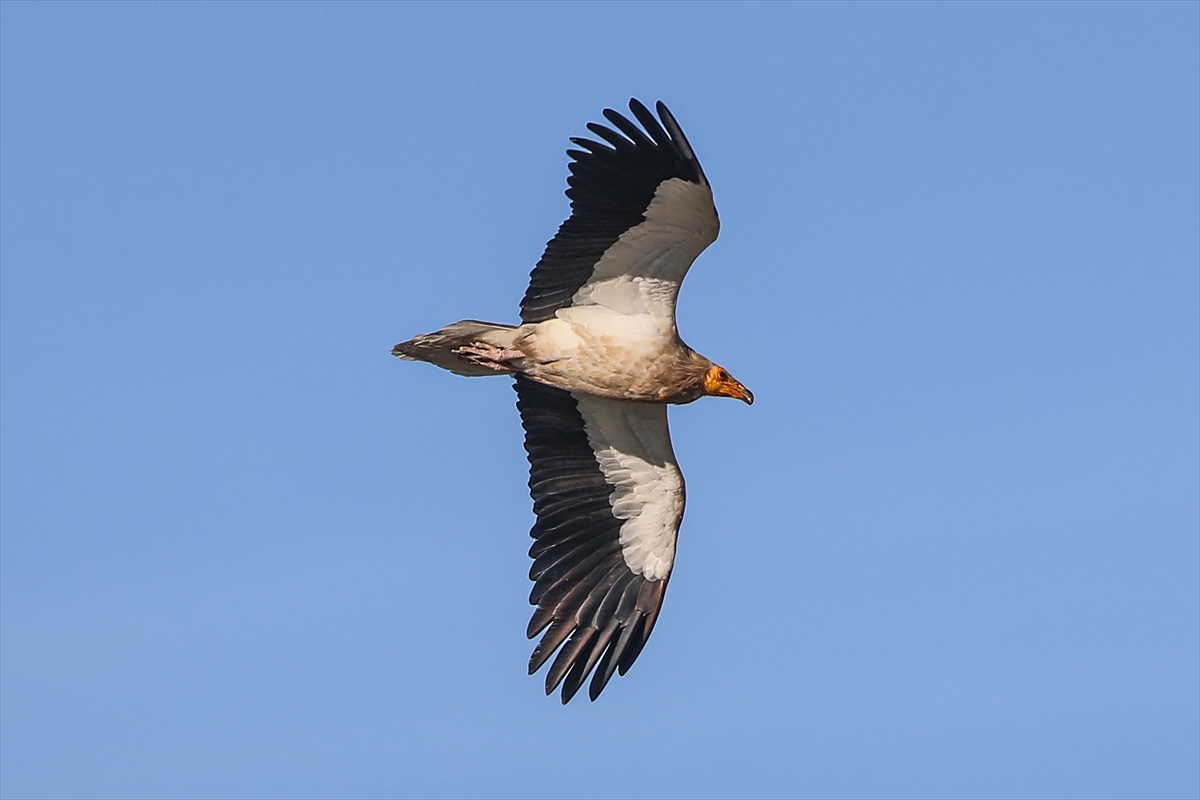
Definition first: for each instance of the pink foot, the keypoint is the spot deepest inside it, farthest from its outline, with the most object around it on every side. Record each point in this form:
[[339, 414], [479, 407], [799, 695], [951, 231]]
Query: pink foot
[[488, 355]]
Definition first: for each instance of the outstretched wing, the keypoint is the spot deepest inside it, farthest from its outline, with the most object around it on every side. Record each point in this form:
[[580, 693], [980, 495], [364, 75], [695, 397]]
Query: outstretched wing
[[641, 211], [609, 499]]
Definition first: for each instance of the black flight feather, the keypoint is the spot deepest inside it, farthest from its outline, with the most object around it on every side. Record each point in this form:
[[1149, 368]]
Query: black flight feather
[[610, 190], [597, 609]]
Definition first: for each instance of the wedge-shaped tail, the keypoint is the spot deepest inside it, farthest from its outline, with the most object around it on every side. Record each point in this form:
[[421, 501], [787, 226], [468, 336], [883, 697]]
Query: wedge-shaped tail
[[439, 347]]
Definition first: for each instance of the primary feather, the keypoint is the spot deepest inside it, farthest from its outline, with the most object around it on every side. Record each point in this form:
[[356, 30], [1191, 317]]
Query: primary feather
[[596, 361]]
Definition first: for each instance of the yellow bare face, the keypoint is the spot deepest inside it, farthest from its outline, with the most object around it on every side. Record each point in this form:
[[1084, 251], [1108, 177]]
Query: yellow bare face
[[719, 383]]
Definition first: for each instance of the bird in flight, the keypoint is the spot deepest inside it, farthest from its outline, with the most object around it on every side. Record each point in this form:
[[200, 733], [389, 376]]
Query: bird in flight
[[597, 359]]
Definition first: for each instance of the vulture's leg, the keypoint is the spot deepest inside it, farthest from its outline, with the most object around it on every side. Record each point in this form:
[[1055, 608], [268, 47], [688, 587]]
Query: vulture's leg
[[489, 355]]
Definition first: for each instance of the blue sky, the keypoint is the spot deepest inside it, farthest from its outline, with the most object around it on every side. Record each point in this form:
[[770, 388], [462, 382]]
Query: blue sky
[[951, 551]]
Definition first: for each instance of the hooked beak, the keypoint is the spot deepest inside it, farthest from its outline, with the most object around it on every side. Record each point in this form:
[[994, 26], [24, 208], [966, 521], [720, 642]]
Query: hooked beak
[[721, 383], [735, 389]]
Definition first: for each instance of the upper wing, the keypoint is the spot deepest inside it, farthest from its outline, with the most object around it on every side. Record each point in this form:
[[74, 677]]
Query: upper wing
[[640, 209], [609, 499]]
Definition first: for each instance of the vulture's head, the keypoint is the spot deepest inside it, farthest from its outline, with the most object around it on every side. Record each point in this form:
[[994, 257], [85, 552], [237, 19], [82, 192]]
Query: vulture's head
[[719, 383]]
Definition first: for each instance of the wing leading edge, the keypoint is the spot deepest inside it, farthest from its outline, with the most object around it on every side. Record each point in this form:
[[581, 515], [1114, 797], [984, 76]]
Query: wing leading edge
[[609, 499], [611, 187]]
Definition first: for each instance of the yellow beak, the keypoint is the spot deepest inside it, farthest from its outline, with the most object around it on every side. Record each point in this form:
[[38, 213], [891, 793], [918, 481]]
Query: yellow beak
[[720, 383], [734, 388]]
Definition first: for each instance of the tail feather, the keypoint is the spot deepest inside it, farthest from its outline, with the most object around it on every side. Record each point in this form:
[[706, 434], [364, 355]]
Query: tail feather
[[436, 348]]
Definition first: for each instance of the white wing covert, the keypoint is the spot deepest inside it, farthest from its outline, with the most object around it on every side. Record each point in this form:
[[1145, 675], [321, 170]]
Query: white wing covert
[[609, 498], [641, 212], [599, 318]]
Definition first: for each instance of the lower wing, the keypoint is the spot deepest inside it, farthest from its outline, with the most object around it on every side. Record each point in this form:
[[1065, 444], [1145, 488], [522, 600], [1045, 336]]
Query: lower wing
[[609, 498]]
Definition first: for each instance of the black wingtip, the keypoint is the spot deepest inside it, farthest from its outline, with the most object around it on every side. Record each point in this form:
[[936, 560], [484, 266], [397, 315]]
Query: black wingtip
[[681, 141], [612, 181]]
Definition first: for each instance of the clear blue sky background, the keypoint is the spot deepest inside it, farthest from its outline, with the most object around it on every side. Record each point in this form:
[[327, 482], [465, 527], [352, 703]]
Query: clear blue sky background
[[951, 551]]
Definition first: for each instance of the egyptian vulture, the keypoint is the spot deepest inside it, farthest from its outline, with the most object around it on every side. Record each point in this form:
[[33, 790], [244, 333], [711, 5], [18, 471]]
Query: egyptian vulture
[[597, 359]]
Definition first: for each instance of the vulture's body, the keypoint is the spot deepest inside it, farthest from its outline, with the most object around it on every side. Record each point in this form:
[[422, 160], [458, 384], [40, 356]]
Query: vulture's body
[[596, 360]]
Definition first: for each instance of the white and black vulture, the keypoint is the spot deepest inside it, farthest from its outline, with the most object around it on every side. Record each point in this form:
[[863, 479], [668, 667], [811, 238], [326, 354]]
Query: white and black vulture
[[597, 359]]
